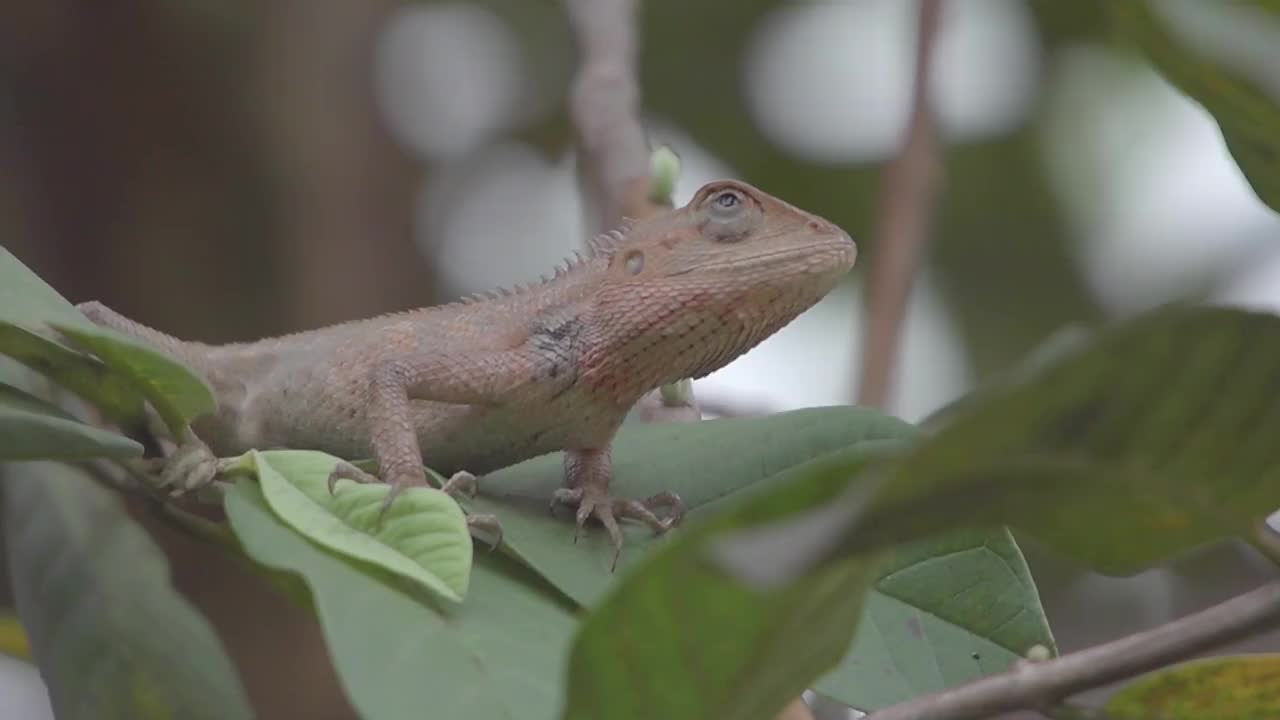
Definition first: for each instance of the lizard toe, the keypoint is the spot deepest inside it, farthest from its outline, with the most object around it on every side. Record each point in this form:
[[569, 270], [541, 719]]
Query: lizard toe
[[604, 514], [489, 524], [669, 501], [397, 486], [461, 484], [638, 510], [565, 496], [346, 471], [190, 467], [593, 503]]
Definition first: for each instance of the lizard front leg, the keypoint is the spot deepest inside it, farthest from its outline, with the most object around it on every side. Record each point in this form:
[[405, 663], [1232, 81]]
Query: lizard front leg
[[479, 379], [587, 474]]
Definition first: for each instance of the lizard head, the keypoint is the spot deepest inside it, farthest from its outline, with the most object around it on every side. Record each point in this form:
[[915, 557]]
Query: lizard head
[[734, 231], [701, 284]]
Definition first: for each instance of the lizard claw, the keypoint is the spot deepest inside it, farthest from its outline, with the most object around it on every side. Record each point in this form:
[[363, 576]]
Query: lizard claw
[[346, 471], [594, 501], [463, 484], [397, 487]]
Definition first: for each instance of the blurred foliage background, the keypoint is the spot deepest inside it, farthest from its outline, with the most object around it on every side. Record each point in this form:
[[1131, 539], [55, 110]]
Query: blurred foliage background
[[229, 170]]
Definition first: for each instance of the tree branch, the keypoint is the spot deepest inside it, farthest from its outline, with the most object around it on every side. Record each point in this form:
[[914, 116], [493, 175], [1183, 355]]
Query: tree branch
[[1031, 685], [906, 203], [613, 155]]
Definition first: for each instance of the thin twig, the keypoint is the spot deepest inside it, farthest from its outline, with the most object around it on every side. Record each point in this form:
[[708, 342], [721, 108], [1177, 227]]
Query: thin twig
[[190, 524], [1031, 685], [613, 155], [906, 204], [1070, 711], [795, 710]]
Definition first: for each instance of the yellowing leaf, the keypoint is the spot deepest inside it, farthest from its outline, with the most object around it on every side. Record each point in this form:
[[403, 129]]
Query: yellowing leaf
[[13, 639], [1243, 687]]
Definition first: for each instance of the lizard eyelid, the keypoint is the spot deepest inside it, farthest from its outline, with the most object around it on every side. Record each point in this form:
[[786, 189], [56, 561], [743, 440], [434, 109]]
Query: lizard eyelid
[[726, 199], [726, 204]]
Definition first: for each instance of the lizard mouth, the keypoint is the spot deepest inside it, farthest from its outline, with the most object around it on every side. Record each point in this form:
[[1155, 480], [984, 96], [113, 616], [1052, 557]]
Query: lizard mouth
[[817, 256]]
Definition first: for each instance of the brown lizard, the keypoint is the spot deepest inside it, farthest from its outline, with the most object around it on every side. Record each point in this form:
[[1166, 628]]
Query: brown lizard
[[483, 383]]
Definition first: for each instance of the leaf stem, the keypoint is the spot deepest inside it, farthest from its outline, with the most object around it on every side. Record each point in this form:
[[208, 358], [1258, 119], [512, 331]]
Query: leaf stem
[[613, 154], [906, 205], [1033, 685], [182, 520]]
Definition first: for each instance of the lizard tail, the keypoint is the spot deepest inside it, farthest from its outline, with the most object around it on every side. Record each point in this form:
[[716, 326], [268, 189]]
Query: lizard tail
[[102, 315]]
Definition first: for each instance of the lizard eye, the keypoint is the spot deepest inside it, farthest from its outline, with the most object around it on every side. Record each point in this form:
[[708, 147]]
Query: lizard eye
[[728, 215], [727, 204]]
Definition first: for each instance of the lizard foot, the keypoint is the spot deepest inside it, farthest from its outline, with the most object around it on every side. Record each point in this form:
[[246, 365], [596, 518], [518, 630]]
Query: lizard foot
[[595, 501], [192, 466], [461, 484]]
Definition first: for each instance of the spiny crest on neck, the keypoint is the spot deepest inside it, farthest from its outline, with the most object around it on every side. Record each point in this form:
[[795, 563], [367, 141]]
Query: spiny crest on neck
[[601, 246], [604, 244]]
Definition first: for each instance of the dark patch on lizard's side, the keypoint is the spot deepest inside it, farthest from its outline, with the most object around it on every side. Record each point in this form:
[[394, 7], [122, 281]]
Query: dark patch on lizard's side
[[556, 339]]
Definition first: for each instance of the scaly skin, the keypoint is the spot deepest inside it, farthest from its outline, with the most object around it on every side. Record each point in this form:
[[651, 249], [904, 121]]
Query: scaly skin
[[488, 382]]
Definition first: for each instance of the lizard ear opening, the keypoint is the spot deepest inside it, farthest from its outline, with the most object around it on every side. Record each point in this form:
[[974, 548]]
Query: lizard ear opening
[[633, 263]]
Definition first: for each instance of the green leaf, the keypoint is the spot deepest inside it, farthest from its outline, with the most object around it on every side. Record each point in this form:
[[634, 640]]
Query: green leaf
[[26, 301], [718, 648], [1242, 687], [675, 640], [944, 611], [423, 538], [177, 393], [31, 429], [982, 598], [1223, 55], [110, 391], [112, 637], [702, 462], [499, 655], [1153, 439]]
